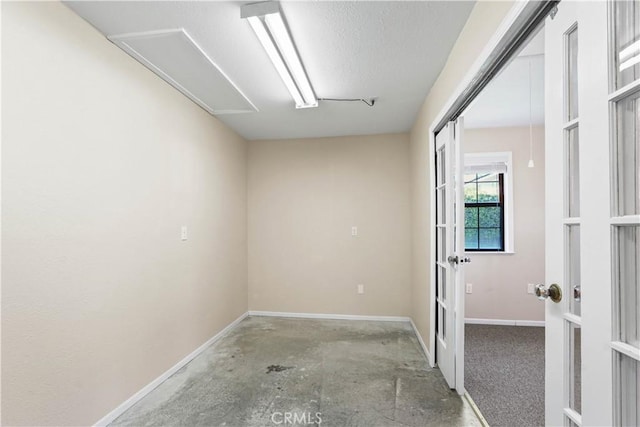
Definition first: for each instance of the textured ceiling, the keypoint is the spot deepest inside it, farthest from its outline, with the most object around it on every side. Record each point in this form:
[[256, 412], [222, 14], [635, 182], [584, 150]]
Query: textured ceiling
[[393, 51]]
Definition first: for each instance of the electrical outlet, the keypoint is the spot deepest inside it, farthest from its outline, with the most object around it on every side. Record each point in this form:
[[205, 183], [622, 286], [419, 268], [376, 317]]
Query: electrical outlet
[[354, 231], [183, 233], [469, 288], [360, 289], [531, 288]]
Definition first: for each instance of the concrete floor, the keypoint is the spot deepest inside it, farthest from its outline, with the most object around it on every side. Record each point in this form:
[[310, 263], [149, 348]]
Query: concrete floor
[[274, 371]]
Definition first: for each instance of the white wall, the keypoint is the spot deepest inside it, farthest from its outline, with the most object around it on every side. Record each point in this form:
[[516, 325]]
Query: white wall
[[500, 280], [304, 197], [102, 164]]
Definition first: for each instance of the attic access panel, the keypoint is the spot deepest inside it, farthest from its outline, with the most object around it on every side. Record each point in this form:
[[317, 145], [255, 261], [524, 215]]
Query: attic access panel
[[176, 58]]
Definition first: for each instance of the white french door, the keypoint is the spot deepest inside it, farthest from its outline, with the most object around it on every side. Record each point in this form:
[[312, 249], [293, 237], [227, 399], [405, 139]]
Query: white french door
[[450, 257], [592, 77]]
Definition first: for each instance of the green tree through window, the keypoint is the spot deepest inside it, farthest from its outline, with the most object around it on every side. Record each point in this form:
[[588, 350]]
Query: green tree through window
[[484, 212]]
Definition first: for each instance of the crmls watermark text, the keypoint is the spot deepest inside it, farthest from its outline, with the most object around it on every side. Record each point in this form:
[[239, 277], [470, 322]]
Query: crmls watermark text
[[296, 418]]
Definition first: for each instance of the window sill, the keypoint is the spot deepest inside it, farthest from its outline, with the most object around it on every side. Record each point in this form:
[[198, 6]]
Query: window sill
[[474, 253]]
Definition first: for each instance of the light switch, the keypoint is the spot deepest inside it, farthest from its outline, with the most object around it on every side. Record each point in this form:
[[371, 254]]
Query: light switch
[[361, 289], [469, 288], [531, 288], [354, 230], [183, 233]]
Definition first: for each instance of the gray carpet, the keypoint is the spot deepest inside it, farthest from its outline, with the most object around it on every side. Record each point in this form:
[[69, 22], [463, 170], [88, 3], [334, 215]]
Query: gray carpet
[[504, 373]]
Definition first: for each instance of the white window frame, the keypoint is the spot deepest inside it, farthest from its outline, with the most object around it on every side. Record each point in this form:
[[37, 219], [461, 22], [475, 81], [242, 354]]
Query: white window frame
[[487, 159]]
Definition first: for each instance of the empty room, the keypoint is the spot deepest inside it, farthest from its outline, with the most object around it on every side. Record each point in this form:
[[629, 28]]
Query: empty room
[[239, 213]]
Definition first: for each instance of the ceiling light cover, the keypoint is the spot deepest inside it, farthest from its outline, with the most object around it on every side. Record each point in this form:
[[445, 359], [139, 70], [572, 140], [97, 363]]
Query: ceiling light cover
[[267, 22]]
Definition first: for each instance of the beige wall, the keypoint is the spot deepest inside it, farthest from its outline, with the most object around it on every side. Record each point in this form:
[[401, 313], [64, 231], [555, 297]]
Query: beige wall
[[485, 18], [102, 164], [304, 197], [500, 280]]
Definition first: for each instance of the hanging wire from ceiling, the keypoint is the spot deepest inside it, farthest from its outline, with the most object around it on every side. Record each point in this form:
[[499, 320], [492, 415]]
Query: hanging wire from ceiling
[[531, 163], [370, 102]]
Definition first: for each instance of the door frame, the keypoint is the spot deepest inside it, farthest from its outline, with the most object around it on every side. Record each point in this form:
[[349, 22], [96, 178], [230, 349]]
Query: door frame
[[515, 30]]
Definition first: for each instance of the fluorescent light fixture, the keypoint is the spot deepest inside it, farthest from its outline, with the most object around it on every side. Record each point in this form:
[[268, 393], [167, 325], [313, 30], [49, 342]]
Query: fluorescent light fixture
[[629, 56], [270, 48], [632, 49], [268, 24], [630, 62], [530, 164]]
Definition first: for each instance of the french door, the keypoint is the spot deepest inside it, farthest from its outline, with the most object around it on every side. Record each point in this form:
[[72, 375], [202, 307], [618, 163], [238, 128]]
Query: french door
[[450, 258], [592, 77]]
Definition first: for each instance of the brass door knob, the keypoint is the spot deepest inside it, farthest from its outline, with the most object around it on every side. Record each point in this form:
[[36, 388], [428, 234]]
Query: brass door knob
[[554, 292]]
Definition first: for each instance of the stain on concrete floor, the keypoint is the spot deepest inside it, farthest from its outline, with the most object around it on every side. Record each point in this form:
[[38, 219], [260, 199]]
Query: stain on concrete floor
[[277, 368], [326, 372]]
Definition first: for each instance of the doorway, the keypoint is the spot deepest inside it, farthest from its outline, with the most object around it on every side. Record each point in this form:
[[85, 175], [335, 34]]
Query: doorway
[[504, 204], [592, 244]]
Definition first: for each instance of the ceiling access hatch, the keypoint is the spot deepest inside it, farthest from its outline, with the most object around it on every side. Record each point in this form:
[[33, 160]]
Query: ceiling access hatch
[[176, 58]]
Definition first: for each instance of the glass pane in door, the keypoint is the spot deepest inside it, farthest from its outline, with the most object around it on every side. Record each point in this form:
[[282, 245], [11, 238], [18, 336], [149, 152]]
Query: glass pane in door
[[573, 269], [443, 318], [440, 166], [627, 284], [441, 200], [626, 15], [572, 167], [572, 71], [628, 392], [627, 153], [441, 244], [575, 367]]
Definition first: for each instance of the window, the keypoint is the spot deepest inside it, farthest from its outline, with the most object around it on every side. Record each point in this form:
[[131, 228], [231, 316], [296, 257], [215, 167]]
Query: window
[[484, 212], [488, 197]]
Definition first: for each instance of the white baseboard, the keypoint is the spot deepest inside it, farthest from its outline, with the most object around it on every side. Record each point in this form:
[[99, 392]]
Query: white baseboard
[[539, 323], [475, 408], [111, 416], [504, 322], [329, 316], [422, 344]]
